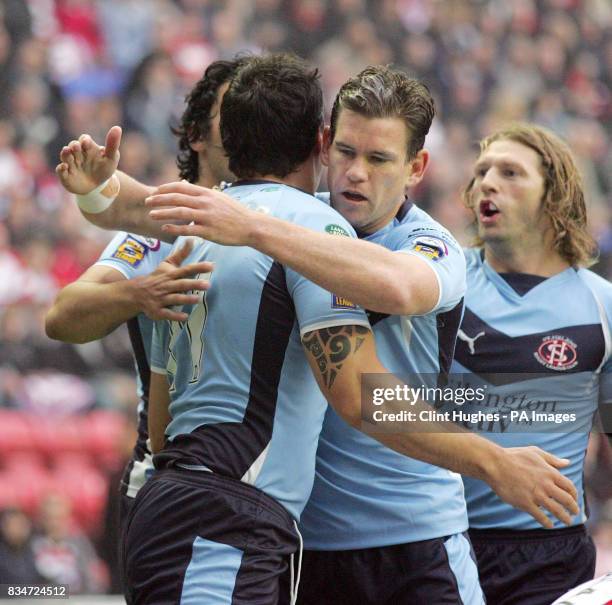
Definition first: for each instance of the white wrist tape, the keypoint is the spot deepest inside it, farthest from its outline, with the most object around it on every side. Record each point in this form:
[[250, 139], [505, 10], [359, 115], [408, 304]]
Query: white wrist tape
[[101, 197]]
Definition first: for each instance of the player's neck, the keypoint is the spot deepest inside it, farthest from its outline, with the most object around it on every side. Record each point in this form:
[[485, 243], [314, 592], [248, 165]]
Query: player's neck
[[545, 262], [206, 178], [303, 178]]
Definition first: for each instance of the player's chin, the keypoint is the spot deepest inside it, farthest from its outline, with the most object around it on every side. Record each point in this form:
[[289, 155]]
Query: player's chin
[[355, 214], [486, 231], [490, 236]]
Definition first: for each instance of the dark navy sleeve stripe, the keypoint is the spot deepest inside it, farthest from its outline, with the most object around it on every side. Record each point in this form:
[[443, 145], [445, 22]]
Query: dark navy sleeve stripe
[[231, 448], [374, 317], [448, 325], [144, 373], [142, 363]]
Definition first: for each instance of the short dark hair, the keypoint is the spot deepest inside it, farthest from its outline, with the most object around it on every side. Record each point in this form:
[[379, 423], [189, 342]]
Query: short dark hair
[[382, 92], [195, 122], [270, 115]]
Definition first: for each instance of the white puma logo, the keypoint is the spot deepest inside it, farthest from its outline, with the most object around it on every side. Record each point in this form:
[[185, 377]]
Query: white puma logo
[[470, 341]]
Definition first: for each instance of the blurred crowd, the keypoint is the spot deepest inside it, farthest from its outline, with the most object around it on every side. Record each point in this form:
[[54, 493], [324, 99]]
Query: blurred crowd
[[74, 66]]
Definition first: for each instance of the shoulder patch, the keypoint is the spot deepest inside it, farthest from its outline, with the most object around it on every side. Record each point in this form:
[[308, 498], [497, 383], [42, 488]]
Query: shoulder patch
[[149, 242], [431, 247], [339, 302], [131, 251], [337, 230], [435, 234]]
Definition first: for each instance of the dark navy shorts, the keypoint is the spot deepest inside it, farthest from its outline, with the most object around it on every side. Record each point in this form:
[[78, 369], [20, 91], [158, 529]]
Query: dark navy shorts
[[441, 571], [532, 567], [197, 538]]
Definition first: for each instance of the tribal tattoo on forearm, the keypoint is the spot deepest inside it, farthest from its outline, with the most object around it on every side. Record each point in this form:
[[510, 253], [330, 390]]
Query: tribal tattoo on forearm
[[332, 346]]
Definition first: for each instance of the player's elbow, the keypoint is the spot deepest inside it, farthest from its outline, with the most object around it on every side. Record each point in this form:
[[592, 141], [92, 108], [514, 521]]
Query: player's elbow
[[53, 326], [59, 327], [403, 298], [406, 287], [348, 408], [395, 298]]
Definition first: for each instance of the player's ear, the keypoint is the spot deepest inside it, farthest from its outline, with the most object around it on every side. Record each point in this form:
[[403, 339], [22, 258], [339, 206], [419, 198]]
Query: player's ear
[[319, 142], [198, 146], [416, 168], [326, 145]]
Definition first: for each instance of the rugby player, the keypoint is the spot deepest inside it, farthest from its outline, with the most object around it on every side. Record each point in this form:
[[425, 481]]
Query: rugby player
[[216, 522], [136, 280], [539, 321], [371, 508]]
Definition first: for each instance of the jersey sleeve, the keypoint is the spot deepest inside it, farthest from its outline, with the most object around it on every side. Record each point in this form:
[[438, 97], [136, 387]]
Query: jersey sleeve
[[443, 254], [315, 307], [159, 347], [133, 255]]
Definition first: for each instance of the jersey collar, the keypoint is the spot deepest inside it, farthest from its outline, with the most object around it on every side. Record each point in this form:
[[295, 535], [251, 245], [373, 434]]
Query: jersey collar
[[503, 286], [398, 219]]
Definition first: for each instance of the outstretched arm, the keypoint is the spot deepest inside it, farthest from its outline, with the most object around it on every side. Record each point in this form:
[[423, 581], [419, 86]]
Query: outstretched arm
[[102, 298], [526, 478], [84, 165], [365, 273]]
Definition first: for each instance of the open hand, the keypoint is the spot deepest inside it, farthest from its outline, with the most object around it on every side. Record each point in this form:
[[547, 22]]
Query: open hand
[[84, 164], [529, 479], [216, 216], [172, 285]]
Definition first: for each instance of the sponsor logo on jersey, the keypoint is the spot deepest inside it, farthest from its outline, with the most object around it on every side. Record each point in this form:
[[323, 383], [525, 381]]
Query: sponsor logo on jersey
[[339, 302], [470, 340], [337, 230], [557, 352], [131, 251], [430, 247], [149, 242]]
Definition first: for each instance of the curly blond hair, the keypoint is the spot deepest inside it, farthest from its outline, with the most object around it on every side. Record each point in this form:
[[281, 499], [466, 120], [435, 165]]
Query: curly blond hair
[[563, 198]]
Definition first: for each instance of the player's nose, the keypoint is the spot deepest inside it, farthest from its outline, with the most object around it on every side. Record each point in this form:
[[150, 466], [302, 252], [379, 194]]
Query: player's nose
[[357, 171], [488, 182]]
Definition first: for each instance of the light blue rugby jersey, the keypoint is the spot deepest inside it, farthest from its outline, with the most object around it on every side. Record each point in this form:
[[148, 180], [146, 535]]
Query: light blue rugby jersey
[[244, 402], [546, 351], [366, 495], [134, 256]]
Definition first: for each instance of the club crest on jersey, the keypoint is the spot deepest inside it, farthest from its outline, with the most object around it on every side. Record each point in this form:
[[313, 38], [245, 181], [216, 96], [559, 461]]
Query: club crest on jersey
[[431, 247], [339, 302], [131, 251], [557, 352], [336, 230]]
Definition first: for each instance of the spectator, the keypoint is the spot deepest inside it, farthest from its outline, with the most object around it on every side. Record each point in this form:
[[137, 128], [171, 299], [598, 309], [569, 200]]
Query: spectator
[[62, 553], [17, 564]]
